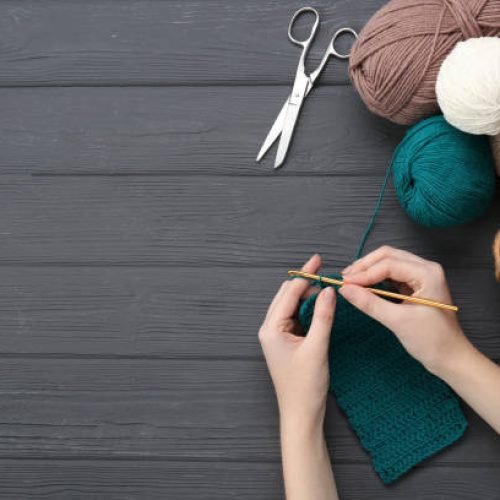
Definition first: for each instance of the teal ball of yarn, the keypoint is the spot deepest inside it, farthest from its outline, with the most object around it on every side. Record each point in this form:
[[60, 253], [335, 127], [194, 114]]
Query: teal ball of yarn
[[442, 176]]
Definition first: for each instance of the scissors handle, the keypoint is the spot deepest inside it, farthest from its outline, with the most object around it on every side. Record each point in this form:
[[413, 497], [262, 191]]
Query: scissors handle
[[332, 51], [339, 33], [305, 44]]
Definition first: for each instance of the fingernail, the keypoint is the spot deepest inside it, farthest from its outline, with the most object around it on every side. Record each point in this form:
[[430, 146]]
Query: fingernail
[[311, 258], [328, 294]]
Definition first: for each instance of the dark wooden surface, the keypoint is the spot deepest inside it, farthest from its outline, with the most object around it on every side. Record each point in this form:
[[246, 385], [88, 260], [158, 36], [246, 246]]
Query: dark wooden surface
[[140, 244]]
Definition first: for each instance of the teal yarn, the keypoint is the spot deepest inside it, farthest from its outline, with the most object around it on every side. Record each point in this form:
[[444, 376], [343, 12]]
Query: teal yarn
[[400, 412], [442, 176]]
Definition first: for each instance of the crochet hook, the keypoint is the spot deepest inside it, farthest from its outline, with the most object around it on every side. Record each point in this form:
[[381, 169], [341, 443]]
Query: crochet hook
[[377, 291]]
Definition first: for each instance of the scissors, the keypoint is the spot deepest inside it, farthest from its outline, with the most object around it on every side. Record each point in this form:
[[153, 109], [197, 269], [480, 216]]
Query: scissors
[[284, 124]]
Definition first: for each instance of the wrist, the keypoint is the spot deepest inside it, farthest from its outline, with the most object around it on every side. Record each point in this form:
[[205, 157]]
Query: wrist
[[302, 428], [452, 363]]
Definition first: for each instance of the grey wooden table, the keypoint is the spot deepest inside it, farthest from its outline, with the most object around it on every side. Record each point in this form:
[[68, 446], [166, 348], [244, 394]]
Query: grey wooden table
[[140, 245]]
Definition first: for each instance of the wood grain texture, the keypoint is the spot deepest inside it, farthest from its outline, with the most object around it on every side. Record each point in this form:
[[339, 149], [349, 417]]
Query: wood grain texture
[[175, 313], [119, 42], [169, 409], [119, 480], [186, 131], [215, 221], [140, 245]]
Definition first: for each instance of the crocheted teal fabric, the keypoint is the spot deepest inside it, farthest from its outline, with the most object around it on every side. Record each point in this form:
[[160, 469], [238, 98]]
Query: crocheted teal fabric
[[400, 412]]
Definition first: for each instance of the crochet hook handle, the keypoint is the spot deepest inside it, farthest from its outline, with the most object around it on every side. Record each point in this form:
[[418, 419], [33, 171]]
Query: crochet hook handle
[[377, 291]]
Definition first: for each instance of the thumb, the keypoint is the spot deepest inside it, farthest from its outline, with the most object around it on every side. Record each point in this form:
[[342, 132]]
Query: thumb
[[379, 309], [322, 320]]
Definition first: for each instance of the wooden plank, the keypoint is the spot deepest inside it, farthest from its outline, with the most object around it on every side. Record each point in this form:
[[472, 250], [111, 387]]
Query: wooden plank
[[181, 221], [59, 479], [118, 42], [175, 313], [184, 131], [175, 409]]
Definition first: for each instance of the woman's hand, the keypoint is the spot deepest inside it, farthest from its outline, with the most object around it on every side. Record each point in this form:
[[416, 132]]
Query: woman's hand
[[299, 365], [299, 369], [432, 336]]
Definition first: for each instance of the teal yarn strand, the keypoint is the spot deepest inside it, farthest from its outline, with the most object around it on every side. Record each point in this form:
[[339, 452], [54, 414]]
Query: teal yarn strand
[[442, 176], [371, 222]]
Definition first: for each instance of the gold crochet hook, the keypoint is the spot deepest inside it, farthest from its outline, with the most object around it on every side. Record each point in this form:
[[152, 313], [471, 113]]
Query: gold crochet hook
[[377, 291]]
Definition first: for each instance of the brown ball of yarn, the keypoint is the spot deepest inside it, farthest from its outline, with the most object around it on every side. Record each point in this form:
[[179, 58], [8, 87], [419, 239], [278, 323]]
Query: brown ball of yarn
[[395, 63]]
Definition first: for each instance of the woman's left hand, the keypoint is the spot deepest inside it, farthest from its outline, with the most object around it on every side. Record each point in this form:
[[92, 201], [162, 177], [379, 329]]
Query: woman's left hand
[[299, 365]]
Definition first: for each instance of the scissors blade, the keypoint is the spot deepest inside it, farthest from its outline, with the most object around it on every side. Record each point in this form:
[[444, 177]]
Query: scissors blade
[[275, 131], [294, 105], [292, 114]]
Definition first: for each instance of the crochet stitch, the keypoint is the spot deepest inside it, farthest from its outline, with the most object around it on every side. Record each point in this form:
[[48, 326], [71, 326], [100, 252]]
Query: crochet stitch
[[400, 412]]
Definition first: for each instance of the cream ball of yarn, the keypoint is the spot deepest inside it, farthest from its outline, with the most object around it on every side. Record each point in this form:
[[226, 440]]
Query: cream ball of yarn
[[468, 86]]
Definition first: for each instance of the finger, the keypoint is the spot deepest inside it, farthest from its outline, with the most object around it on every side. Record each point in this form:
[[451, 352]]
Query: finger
[[322, 320], [424, 278], [378, 254], [379, 309], [278, 295], [276, 299], [311, 266], [409, 272], [288, 301]]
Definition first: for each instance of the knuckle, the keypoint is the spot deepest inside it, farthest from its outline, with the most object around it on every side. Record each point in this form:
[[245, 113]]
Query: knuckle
[[388, 265], [325, 316], [381, 268], [363, 302], [320, 311], [261, 335], [437, 269], [320, 323], [385, 251], [369, 274], [283, 287], [368, 305], [384, 266]]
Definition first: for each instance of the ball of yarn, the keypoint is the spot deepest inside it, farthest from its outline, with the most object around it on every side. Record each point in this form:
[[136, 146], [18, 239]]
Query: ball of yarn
[[395, 63], [468, 86], [443, 176]]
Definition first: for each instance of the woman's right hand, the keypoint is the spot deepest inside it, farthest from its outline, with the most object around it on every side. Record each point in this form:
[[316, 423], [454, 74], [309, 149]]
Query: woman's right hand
[[433, 336]]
